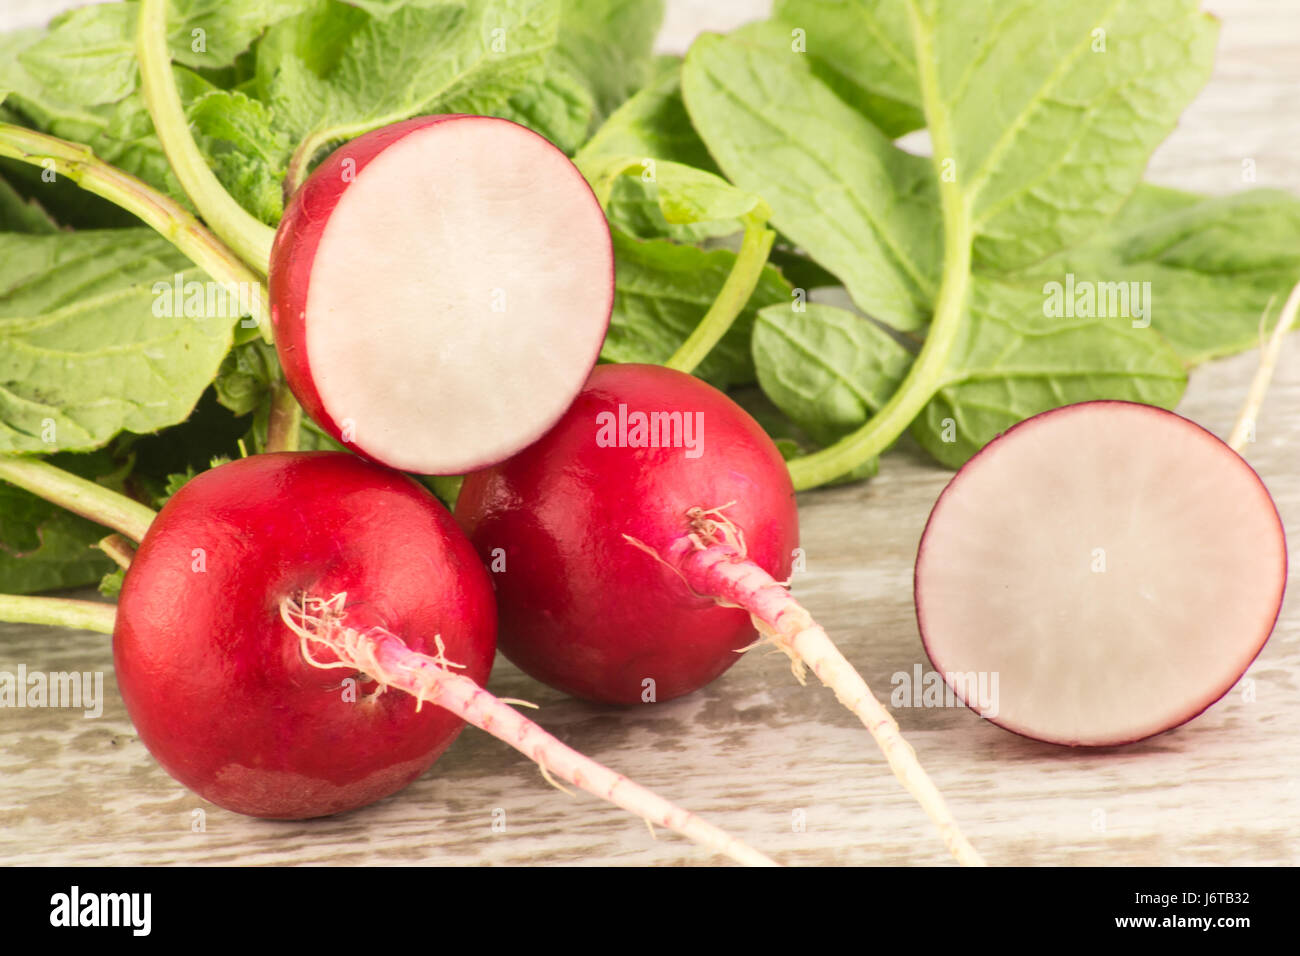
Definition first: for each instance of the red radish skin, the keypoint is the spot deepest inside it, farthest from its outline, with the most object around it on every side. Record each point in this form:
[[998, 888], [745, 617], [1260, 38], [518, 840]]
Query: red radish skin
[[440, 288], [581, 609], [1192, 573], [214, 682], [626, 570], [266, 584]]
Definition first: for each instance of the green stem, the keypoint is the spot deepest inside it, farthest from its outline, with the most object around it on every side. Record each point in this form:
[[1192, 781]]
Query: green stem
[[446, 487], [119, 549], [75, 493], [925, 377], [167, 217], [58, 612], [248, 236], [296, 170], [284, 421], [740, 284], [318, 139]]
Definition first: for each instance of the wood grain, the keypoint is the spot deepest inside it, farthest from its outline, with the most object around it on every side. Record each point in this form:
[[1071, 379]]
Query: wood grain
[[753, 748]]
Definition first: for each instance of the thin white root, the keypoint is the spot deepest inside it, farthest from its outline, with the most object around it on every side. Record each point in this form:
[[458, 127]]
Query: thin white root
[[518, 702], [386, 659], [712, 564], [546, 775], [1244, 431], [811, 645]]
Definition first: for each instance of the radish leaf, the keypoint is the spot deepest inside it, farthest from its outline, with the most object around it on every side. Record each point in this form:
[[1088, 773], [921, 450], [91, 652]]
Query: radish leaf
[[82, 354], [1213, 263], [828, 369], [838, 188], [661, 291], [1054, 113], [446, 58], [861, 49]]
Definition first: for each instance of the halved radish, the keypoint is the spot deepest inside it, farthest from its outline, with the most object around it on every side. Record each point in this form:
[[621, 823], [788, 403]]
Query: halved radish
[[1116, 566], [440, 289]]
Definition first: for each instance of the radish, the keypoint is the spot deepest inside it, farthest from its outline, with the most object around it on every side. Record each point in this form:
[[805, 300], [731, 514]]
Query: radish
[[273, 604], [440, 289], [1114, 564], [641, 541]]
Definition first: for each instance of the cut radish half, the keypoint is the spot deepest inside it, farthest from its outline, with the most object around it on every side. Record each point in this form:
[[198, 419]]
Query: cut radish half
[[1101, 572], [440, 289]]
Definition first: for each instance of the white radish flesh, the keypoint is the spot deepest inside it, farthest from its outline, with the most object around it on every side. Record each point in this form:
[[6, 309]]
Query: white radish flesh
[[456, 296], [1116, 566]]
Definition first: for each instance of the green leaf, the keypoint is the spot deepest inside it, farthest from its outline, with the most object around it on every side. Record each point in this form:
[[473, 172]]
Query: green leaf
[[1055, 111], [175, 482], [115, 125], [88, 55], [83, 355], [828, 369], [558, 107], [633, 206], [791, 440], [1011, 361], [662, 290], [800, 270], [110, 585], [246, 376], [838, 187], [19, 214], [446, 487], [602, 54], [1042, 117], [861, 49], [684, 195], [1208, 266], [89, 52], [212, 33], [248, 153], [44, 547], [607, 45], [653, 124], [446, 58]]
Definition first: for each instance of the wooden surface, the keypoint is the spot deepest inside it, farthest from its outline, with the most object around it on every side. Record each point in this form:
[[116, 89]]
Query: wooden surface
[[754, 747]]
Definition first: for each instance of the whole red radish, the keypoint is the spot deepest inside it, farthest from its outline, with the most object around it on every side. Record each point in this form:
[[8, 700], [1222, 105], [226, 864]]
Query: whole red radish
[[584, 610], [273, 608], [440, 289], [214, 681], [1116, 566], [639, 544]]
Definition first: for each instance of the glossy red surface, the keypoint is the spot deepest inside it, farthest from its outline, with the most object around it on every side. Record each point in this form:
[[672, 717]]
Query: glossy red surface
[[216, 684], [583, 610]]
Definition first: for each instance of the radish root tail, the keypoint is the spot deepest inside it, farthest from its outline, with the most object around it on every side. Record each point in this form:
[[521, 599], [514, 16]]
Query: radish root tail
[[1270, 348], [711, 558], [320, 625]]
